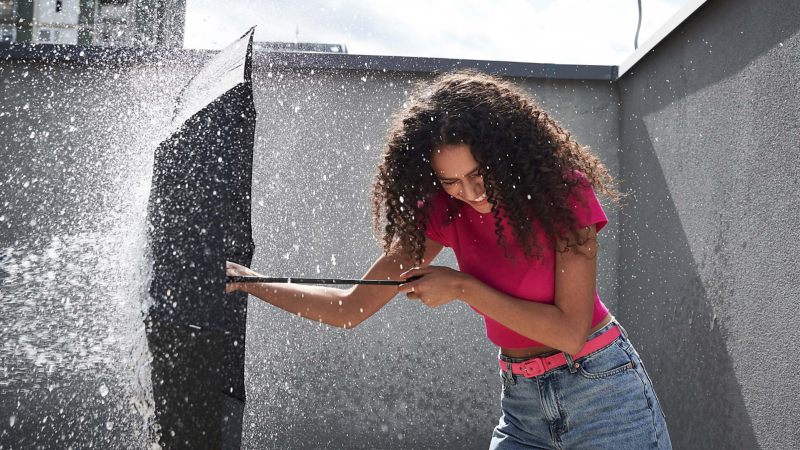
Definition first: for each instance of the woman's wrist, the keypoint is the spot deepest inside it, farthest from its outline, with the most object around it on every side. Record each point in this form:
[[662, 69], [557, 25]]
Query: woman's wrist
[[466, 284]]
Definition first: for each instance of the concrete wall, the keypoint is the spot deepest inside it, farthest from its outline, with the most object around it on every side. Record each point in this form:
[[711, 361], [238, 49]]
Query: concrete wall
[[74, 168], [408, 377], [708, 247]]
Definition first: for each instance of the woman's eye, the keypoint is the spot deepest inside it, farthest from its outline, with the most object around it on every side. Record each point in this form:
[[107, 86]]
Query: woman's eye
[[454, 182]]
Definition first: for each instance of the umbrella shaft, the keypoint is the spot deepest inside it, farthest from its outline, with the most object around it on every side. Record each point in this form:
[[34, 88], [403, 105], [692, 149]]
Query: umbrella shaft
[[316, 280]]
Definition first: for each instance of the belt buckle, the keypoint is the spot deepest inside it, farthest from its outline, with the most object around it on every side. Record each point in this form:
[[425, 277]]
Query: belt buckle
[[532, 367]]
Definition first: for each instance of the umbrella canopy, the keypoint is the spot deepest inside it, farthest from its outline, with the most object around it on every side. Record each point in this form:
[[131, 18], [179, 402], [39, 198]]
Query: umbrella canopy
[[199, 217]]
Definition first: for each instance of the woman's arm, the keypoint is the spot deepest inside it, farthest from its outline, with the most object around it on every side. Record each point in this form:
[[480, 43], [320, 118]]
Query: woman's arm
[[312, 302], [565, 324], [343, 308], [365, 300]]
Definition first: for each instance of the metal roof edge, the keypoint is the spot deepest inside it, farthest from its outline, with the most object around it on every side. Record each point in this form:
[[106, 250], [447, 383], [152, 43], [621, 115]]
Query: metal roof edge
[[311, 60], [349, 61], [668, 27], [87, 53]]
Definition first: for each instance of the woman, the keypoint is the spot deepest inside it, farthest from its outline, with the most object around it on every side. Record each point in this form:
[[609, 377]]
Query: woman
[[469, 158]]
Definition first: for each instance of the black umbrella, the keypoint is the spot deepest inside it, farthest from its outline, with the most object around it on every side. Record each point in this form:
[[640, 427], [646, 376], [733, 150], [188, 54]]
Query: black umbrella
[[199, 217]]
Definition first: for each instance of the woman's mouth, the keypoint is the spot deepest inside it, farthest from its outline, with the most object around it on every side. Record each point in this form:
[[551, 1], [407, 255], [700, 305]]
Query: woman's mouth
[[482, 200]]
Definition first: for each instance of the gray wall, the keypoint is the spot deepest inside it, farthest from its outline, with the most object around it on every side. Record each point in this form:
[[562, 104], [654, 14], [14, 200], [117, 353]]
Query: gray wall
[[408, 377], [708, 247]]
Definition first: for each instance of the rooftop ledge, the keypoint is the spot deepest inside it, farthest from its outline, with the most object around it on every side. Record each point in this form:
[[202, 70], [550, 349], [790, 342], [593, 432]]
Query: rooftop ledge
[[306, 60]]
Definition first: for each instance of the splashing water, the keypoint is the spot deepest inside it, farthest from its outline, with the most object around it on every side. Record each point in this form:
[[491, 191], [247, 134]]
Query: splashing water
[[74, 362], [75, 327]]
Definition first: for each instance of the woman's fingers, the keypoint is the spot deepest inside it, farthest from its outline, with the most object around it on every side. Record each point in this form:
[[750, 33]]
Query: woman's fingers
[[237, 270], [417, 296], [232, 270]]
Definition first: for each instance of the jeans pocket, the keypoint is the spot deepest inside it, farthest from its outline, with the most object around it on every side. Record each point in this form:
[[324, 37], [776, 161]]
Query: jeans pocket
[[607, 362]]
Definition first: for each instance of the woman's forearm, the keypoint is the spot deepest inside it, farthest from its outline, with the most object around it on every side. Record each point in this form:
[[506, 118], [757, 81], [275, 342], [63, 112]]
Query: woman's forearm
[[544, 323], [318, 303]]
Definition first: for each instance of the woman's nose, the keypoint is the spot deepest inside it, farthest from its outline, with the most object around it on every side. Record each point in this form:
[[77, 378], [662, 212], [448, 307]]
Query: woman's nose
[[471, 190]]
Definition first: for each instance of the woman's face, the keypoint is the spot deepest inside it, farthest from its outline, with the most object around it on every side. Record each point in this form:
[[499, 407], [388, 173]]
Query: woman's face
[[457, 171]]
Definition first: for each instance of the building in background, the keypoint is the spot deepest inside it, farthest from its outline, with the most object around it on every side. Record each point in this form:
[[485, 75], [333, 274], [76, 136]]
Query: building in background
[[94, 22], [8, 30], [117, 23]]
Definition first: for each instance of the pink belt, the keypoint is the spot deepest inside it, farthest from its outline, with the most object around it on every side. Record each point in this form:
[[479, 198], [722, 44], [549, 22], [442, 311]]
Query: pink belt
[[537, 366]]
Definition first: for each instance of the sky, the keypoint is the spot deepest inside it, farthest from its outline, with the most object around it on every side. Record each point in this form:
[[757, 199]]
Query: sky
[[597, 32]]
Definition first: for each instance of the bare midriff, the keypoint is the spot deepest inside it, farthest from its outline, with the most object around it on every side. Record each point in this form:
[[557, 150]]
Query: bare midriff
[[534, 351]]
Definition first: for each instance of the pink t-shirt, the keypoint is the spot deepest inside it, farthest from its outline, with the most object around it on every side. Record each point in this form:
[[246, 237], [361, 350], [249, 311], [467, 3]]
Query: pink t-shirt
[[472, 237]]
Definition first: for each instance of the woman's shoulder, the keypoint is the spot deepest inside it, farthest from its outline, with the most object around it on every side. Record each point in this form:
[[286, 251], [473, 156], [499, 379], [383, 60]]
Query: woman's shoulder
[[437, 214], [576, 174], [438, 200], [584, 203]]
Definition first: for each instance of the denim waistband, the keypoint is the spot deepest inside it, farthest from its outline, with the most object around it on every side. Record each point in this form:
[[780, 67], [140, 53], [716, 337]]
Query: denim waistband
[[606, 327]]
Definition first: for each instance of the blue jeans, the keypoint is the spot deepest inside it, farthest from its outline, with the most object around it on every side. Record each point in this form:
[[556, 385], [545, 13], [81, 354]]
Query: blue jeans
[[606, 402]]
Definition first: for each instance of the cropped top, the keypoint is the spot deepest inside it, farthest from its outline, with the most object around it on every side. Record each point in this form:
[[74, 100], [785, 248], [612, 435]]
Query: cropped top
[[472, 237]]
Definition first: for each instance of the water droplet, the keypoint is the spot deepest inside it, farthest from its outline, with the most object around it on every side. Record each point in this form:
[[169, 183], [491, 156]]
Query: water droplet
[[109, 426], [103, 390]]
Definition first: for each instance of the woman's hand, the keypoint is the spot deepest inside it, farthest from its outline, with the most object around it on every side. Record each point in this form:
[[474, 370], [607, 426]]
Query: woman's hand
[[438, 285], [235, 270]]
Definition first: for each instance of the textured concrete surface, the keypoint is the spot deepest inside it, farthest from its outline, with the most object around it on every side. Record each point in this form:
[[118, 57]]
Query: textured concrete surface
[[708, 246]]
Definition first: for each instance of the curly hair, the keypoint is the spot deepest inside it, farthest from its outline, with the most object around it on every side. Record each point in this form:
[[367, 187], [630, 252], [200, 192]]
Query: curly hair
[[524, 158]]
